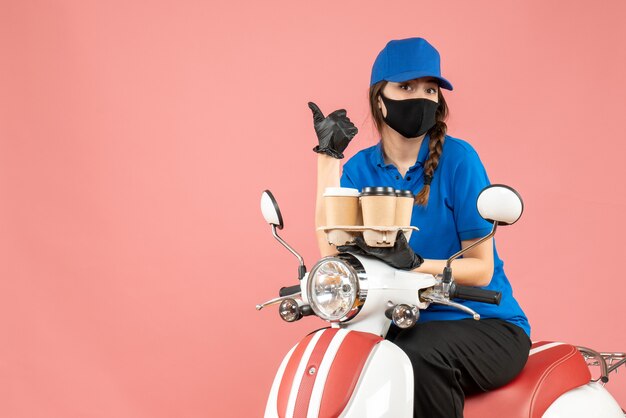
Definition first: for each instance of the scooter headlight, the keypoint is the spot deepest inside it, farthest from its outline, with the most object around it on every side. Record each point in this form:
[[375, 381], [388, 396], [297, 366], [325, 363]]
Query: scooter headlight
[[335, 288]]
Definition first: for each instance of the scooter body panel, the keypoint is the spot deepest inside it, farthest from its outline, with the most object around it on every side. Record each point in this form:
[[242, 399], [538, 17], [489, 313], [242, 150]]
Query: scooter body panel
[[385, 388], [337, 372], [588, 401], [271, 409]]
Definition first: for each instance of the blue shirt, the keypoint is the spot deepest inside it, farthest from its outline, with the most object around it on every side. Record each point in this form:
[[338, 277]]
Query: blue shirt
[[450, 217]]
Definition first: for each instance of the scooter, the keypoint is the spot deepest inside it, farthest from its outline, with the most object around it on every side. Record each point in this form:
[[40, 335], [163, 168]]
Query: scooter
[[349, 370]]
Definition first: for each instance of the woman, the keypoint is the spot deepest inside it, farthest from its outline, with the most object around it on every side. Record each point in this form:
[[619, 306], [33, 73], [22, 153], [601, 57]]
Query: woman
[[452, 356]]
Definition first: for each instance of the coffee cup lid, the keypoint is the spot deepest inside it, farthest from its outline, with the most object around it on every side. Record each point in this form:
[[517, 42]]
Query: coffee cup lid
[[341, 191], [404, 193], [378, 191]]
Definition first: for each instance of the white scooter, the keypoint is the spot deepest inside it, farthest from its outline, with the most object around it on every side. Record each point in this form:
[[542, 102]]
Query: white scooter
[[350, 370]]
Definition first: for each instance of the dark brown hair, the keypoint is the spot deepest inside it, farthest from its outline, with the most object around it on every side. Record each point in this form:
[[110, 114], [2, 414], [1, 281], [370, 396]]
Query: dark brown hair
[[437, 134]]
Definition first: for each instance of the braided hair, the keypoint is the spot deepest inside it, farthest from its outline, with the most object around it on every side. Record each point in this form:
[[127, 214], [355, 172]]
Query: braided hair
[[437, 134]]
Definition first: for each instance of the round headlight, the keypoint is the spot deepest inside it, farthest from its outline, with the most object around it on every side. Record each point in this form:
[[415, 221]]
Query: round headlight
[[334, 290]]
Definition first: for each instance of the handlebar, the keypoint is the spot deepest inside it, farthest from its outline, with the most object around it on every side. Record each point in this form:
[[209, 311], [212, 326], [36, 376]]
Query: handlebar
[[475, 294], [290, 290]]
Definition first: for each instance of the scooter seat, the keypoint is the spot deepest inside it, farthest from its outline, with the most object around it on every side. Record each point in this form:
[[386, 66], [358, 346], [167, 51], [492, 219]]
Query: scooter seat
[[552, 369]]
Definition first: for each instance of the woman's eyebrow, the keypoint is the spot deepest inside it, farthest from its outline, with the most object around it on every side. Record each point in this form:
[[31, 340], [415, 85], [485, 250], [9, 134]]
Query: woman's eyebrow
[[415, 81]]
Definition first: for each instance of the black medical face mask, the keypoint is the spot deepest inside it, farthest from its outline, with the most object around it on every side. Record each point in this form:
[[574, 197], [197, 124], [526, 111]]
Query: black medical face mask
[[411, 118]]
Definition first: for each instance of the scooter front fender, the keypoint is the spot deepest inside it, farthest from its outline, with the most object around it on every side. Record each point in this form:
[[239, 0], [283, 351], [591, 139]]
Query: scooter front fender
[[338, 372]]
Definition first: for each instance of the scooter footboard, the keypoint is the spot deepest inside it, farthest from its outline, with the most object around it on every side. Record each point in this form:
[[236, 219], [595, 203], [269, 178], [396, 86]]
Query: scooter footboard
[[337, 372]]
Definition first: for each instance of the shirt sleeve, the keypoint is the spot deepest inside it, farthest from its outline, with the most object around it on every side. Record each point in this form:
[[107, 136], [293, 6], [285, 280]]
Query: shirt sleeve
[[469, 179], [346, 180]]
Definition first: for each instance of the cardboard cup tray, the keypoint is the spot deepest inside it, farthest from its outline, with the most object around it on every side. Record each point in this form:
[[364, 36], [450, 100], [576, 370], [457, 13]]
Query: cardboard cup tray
[[374, 236]]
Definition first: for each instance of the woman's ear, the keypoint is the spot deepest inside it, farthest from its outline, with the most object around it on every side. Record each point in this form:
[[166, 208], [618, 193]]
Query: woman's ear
[[381, 106]]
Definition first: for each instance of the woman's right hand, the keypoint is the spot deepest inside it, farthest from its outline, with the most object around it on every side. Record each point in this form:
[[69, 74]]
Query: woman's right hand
[[400, 256], [334, 132]]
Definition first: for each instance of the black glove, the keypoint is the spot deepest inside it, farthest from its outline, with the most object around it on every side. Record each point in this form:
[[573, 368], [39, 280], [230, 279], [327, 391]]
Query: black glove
[[400, 256], [334, 132]]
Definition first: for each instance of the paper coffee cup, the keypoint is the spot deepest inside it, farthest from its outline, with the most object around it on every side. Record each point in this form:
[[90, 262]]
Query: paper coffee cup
[[342, 209], [378, 205], [404, 209]]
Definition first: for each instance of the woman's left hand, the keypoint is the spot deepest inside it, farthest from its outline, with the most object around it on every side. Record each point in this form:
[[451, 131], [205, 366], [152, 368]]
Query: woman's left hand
[[400, 256], [334, 132]]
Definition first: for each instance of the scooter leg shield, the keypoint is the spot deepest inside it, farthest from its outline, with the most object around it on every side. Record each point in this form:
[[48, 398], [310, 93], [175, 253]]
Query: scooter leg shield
[[337, 372]]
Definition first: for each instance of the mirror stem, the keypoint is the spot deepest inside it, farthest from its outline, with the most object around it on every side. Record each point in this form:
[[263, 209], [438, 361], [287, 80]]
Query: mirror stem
[[447, 271], [302, 268]]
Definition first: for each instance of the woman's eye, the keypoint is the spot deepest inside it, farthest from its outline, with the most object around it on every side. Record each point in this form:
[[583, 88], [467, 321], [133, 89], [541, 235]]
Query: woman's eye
[[405, 86], [431, 90]]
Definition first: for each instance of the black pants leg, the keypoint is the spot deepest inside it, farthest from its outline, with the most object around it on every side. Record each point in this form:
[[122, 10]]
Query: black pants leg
[[453, 358]]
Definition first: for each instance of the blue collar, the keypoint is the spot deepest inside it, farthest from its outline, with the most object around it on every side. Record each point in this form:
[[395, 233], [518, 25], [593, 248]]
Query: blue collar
[[378, 158]]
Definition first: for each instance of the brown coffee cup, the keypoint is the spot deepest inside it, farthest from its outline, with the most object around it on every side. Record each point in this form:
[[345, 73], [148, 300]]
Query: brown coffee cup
[[404, 209], [378, 205], [342, 209]]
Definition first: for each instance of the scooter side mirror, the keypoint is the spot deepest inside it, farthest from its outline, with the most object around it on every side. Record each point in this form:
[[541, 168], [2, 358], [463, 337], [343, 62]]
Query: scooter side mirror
[[271, 213], [500, 204], [270, 210]]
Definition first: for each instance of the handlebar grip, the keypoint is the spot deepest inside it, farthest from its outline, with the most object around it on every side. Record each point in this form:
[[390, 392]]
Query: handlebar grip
[[286, 291], [476, 294]]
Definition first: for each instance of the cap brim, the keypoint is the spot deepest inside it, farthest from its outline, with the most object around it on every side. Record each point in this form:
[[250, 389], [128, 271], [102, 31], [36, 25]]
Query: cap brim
[[410, 75]]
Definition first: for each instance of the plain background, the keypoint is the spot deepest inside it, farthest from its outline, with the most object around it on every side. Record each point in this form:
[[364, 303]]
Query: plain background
[[136, 138]]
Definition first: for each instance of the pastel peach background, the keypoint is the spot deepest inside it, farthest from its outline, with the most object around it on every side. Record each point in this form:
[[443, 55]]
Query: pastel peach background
[[136, 138]]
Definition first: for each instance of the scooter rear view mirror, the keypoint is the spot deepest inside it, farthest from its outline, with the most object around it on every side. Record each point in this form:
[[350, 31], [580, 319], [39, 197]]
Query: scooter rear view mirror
[[270, 210], [498, 204], [271, 213], [501, 204]]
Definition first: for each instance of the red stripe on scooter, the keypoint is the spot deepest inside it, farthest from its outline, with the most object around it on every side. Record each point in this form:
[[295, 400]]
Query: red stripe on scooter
[[288, 376], [345, 372], [308, 380]]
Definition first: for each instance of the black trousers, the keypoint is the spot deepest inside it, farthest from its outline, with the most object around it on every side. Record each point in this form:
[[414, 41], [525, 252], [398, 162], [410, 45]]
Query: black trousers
[[452, 359]]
